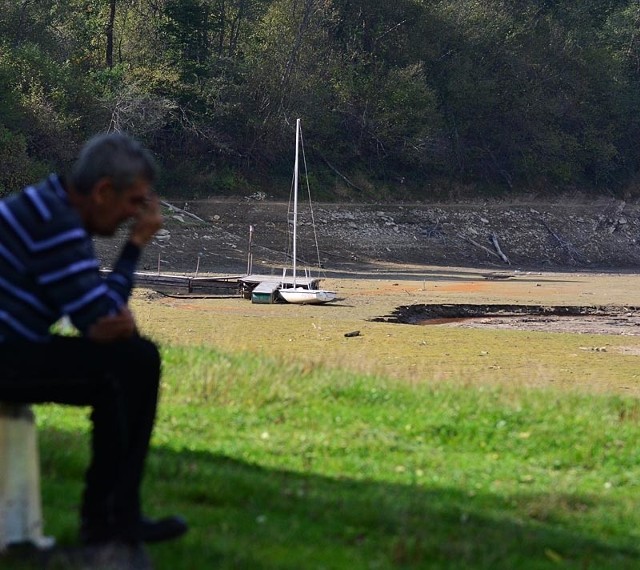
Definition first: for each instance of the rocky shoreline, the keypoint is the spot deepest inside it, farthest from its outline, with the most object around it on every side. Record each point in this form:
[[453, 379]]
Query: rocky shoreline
[[213, 235]]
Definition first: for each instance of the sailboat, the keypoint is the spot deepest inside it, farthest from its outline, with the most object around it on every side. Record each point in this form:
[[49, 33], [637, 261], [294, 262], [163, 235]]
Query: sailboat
[[297, 293]]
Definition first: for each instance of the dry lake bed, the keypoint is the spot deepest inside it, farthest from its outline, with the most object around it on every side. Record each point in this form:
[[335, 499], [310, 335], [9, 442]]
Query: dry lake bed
[[594, 348]]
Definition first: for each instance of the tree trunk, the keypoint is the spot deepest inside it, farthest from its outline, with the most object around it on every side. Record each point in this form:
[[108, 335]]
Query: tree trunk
[[109, 33]]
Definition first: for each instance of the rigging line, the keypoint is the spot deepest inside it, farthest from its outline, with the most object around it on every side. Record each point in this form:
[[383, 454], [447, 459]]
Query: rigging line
[[313, 221], [288, 247]]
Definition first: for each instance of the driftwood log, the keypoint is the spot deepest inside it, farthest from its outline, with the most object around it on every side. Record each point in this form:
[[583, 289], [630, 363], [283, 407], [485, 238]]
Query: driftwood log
[[494, 241], [568, 247], [482, 247], [176, 209]]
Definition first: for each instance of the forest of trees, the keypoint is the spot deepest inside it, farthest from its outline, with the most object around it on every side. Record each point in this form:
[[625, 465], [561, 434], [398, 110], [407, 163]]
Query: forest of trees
[[399, 98]]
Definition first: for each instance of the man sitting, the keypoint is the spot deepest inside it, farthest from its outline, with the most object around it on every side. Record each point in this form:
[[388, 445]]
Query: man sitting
[[48, 269]]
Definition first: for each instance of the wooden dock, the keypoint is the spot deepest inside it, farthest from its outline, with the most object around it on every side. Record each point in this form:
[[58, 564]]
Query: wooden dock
[[225, 285], [265, 287], [255, 279]]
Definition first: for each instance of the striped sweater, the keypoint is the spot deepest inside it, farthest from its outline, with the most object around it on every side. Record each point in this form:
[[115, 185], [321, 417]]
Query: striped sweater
[[48, 266]]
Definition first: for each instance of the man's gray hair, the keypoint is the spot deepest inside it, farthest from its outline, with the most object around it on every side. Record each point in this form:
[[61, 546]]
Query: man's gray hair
[[113, 155]]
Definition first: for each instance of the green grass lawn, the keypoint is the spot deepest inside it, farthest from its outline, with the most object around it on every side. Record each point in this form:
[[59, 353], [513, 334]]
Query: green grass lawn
[[286, 466]]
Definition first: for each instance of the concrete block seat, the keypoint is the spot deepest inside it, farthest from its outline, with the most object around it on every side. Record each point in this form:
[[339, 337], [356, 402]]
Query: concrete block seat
[[20, 501]]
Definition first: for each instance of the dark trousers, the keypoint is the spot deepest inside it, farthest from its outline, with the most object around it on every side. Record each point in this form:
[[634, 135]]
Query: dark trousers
[[119, 381]]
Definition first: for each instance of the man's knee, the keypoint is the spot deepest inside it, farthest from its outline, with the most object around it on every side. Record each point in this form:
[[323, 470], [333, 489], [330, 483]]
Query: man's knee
[[136, 361], [149, 353], [145, 359]]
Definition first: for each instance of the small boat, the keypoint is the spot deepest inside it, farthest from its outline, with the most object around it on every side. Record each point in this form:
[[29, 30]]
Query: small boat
[[296, 293], [304, 296]]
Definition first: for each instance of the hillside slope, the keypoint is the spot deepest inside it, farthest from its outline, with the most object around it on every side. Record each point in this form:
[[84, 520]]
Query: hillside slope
[[212, 236]]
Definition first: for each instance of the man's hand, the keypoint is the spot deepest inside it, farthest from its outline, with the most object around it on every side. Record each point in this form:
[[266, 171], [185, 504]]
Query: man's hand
[[147, 222], [112, 328]]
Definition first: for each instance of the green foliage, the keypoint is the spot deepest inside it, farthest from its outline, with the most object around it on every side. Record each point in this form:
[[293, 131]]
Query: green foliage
[[188, 33], [17, 169], [520, 95]]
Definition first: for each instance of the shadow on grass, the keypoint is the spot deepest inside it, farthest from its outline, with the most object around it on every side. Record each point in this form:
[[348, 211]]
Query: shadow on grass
[[244, 516]]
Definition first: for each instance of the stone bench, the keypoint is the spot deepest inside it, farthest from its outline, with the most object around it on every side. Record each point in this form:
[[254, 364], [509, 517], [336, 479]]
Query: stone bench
[[20, 501]]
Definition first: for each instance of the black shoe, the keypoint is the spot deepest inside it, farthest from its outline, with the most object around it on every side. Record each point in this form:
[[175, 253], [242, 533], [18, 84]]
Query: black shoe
[[145, 530], [159, 530]]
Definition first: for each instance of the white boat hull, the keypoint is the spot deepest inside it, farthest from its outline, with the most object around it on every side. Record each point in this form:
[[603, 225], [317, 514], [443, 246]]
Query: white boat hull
[[303, 296]]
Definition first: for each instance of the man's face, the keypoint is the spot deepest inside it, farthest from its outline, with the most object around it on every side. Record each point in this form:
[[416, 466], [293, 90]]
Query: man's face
[[111, 208]]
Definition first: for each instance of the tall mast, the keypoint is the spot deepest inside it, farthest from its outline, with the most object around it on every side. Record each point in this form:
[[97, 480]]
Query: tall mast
[[295, 200]]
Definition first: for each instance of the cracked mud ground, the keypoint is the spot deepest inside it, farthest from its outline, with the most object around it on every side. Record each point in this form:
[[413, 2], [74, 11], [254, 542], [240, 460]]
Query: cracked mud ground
[[564, 318]]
